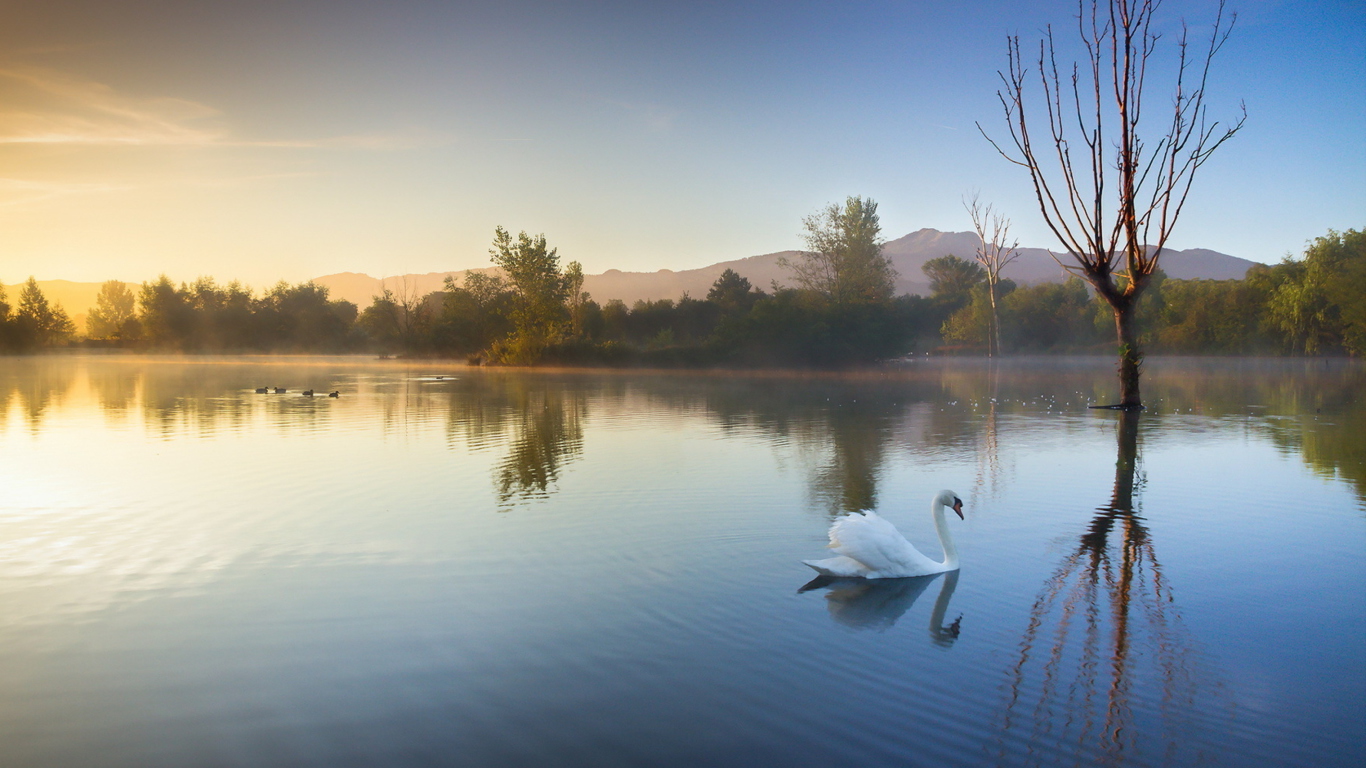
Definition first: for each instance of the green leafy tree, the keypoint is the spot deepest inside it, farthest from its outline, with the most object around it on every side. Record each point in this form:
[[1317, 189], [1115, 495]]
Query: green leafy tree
[[39, 320], [1051, 316], [381, 321], [614, 318], [1211, 316], [115, 306], [733, 294], [978, 323], [843, 261], [302, 318], [166, 314], [539, 290], [1349, 290], [952, 279], [223, 317], [1318, 303], [576, 296], [475, 314]]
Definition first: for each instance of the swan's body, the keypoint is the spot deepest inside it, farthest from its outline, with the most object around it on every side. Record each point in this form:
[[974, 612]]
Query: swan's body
[[869, 547]]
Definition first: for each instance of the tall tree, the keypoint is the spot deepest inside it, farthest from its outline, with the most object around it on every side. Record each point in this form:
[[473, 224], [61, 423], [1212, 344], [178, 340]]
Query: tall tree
[[114, 306], [44, 323], [576, 296], [732, 293], [1319, 305], [166, 313], [995, 250], [538, 312], [1114, 201], [844, 260]]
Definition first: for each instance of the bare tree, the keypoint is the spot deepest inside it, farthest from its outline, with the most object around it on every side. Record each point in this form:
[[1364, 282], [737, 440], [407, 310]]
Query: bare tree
[[993, 253], [1114, 202], [404, 310]]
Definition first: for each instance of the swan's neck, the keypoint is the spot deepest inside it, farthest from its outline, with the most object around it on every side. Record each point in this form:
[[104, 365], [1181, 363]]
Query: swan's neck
[[941, 634], [945, 538]]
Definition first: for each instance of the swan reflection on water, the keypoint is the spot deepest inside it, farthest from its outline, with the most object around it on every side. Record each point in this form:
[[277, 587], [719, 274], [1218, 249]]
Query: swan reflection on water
[[877, 604]]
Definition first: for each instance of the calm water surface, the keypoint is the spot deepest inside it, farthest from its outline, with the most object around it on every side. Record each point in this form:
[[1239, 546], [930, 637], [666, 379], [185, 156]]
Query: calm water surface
[[449, 566]]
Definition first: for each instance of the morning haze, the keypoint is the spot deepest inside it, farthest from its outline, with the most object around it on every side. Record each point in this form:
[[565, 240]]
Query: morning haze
[[615, 384]]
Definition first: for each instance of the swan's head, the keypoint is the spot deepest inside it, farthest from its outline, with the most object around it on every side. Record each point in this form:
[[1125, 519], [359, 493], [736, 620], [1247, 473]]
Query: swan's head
[[951, 500]]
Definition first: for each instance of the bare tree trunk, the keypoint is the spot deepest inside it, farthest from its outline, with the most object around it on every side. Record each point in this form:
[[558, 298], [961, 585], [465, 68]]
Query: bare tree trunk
[[1094, 111], [1130, 357], [994, 252], [995, 338]]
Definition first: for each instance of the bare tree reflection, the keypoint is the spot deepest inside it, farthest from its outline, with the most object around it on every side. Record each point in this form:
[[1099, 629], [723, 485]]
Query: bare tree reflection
[[1104, 622], [989, 450]]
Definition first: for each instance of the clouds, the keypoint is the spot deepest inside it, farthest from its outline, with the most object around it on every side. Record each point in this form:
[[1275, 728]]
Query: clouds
[[21, 191], [46, 106]]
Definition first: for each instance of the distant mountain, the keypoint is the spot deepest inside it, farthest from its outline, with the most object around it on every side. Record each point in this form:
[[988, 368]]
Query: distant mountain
[[908, 254]]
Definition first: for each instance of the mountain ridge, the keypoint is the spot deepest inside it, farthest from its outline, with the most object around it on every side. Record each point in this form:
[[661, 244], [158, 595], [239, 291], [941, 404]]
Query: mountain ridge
[[907, 254]]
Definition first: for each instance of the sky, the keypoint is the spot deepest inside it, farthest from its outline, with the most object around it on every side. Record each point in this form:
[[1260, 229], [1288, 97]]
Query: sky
[[262, 141]]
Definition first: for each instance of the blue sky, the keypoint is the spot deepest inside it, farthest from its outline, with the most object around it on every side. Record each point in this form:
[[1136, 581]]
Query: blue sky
[[286, 140]]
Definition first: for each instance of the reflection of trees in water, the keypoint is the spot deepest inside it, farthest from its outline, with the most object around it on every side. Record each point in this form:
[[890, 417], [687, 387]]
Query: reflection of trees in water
[[547, 434], [203, 398], [539, 418], [35, 385], [199, 395], [845, 426], [1311, 407], [1104, 622], [858, 433], [115, 387], [989, 470]]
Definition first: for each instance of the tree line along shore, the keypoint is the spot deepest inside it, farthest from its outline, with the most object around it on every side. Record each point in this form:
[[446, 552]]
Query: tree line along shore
[[839, 311]]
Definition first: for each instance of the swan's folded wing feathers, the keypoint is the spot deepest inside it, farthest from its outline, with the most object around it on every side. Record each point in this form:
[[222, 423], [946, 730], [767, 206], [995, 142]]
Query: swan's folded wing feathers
[[871, 540], [839, 567]]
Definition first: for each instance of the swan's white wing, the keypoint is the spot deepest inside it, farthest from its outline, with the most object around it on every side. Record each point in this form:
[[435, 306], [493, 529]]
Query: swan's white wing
[[840, 567], [876, 543]]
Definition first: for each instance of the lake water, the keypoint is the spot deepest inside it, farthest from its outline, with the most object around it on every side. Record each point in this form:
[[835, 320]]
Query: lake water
[[455, 566]]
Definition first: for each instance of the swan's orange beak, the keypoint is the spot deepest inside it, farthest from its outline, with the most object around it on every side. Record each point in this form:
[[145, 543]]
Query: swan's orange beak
[[958, 507]]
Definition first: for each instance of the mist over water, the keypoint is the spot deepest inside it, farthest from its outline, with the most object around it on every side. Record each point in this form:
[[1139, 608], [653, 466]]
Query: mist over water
[[446, 565]]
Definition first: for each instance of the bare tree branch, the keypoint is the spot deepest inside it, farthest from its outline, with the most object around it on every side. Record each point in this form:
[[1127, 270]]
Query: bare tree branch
[[1114, 210]]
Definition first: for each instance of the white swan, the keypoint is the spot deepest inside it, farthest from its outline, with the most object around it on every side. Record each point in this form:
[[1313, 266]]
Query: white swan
[[869, 547]]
